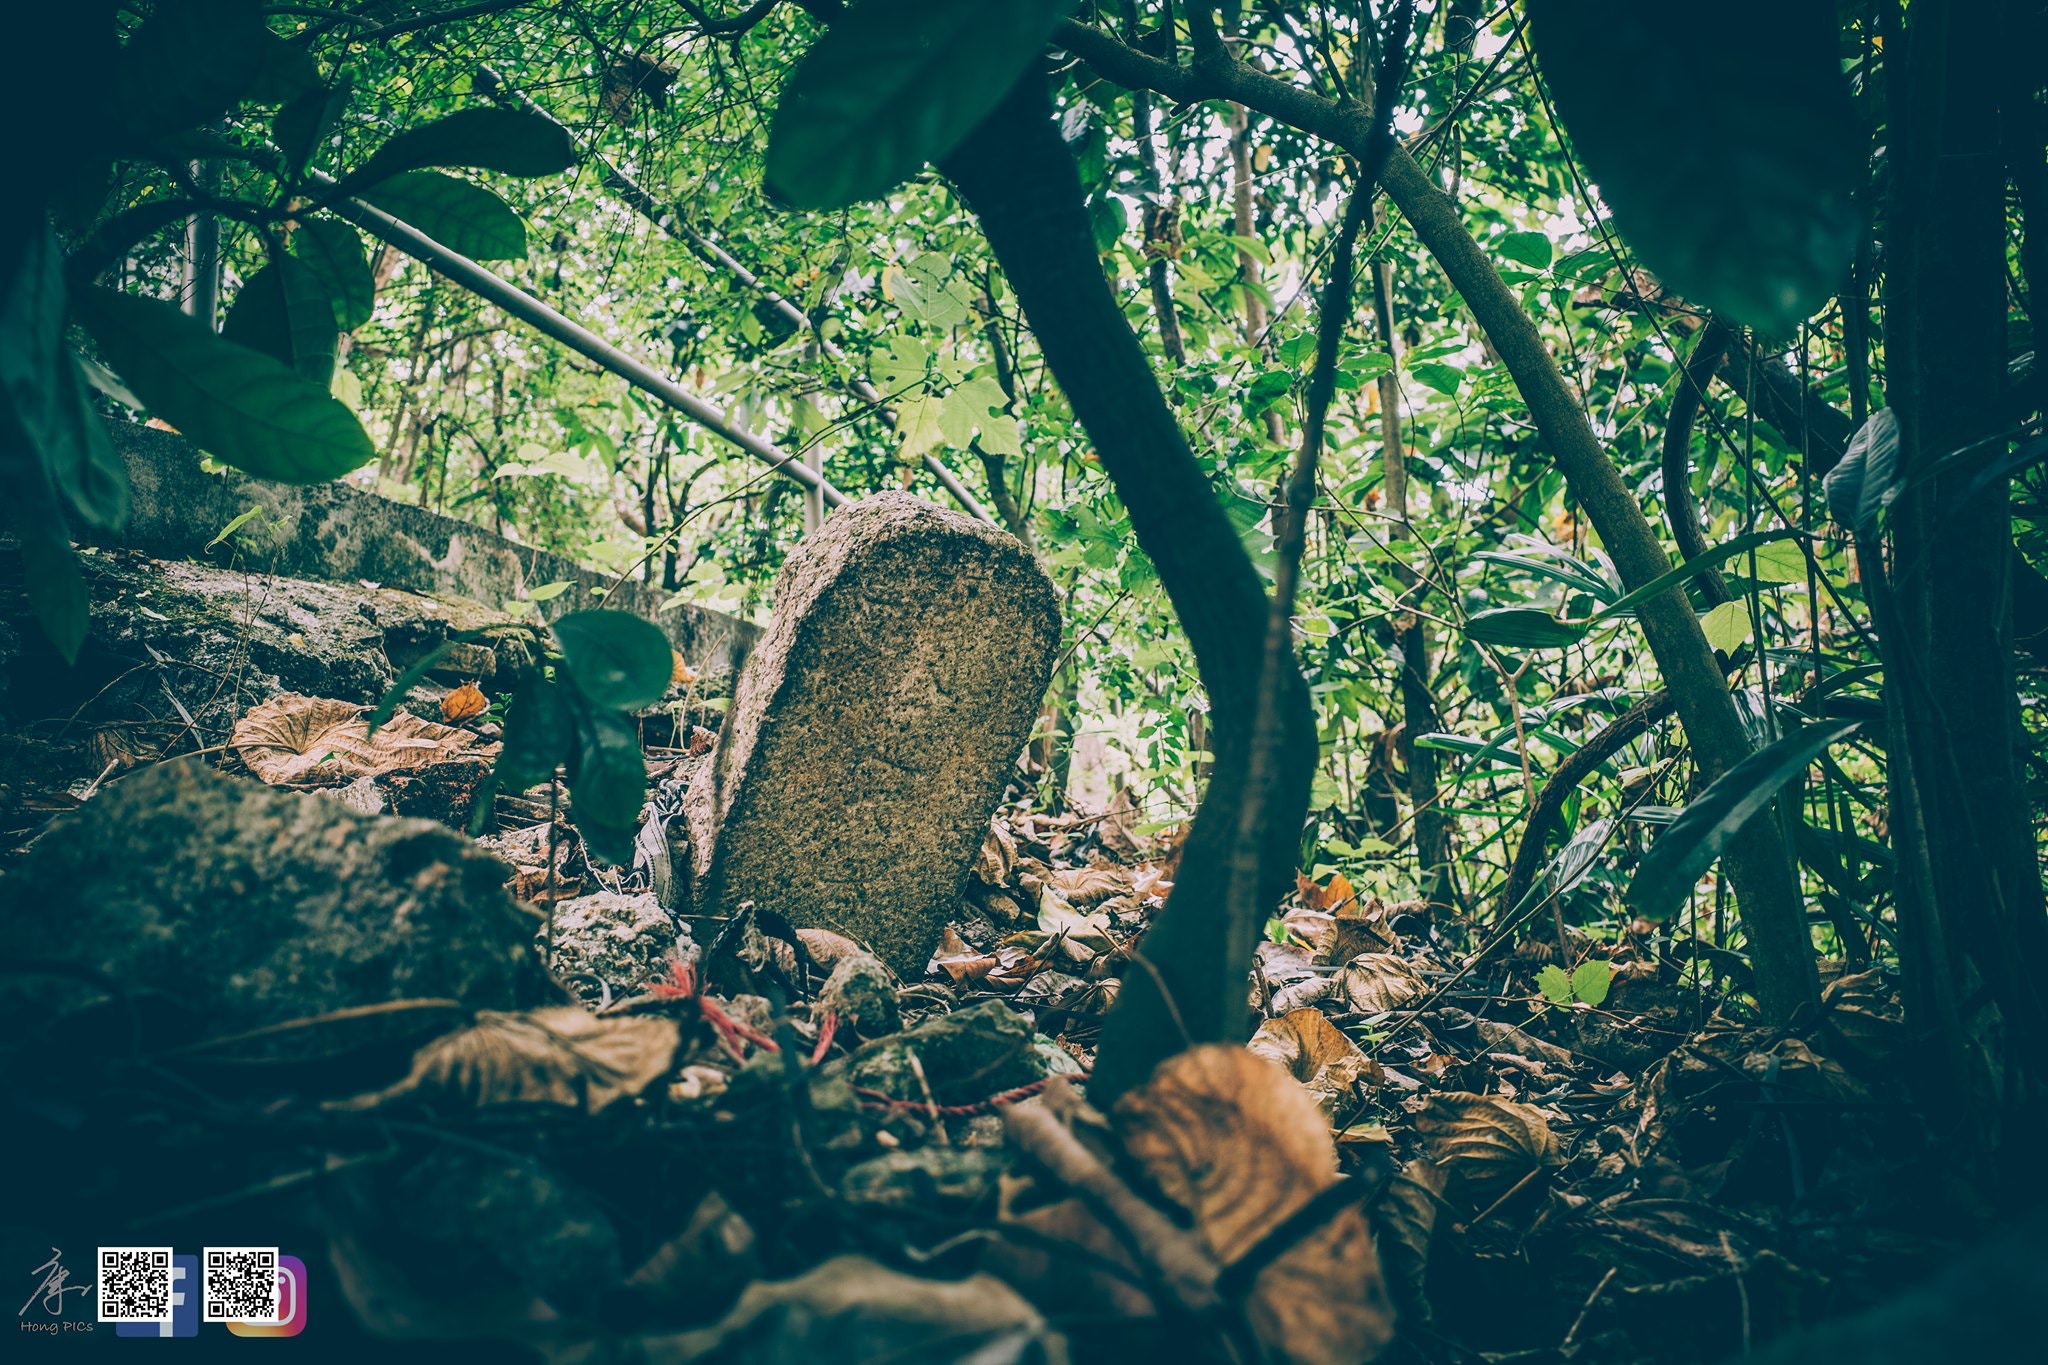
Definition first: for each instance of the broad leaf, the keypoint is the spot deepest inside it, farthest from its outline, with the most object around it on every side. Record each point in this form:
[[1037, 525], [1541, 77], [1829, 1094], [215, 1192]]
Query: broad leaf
[[1727, 625], [50, 573], [894, 84], [463, 217], [615, 658], [607, 781], [1865, 480], [1527, 248], [334, 254], [508, 140], [45, 413], [241, 406], [303, 125], [1591, 981], [283, 310], [1686, 848], [540, 733], [1730, 161], [1522, 628]]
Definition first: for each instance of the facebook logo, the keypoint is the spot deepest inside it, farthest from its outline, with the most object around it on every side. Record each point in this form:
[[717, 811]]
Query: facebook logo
[[184, 1318]]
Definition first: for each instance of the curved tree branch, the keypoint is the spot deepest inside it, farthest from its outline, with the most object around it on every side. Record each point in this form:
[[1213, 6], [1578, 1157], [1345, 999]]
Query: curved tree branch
[[1679, 511]]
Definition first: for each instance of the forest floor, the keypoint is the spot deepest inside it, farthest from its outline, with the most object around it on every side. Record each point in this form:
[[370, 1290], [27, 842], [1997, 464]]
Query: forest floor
[[1564, 1151]]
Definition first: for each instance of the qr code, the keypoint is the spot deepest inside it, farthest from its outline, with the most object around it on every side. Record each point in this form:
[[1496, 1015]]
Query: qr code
[[134, 1284], [241, 1284]]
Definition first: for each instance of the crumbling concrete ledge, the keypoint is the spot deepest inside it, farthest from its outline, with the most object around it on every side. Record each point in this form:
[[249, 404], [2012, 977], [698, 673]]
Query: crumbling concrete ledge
[[341, 534]]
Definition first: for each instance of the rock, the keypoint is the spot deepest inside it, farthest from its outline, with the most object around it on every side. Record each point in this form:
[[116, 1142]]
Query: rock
[[624, 941], [873, 726], [255, 906], [966, 1056], [862, 993]]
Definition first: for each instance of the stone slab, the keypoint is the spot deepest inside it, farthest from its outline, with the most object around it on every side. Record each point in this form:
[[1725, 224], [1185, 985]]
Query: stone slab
[[874, 726]]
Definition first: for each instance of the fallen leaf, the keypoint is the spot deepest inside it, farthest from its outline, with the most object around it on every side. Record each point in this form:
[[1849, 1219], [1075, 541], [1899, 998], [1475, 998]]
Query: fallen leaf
[[465, 701], [1485, 1145], [997, 856], [681, 675], [961, 961], [560, 1055], [1316, 1052], [1377, 982], [293, 738], [1090, 886], [1231, 1139]]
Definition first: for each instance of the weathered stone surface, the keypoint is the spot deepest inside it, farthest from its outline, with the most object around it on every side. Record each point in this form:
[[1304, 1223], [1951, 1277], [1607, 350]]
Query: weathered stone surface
[[343, 534], [255, 906], [872, 729], [624, 941]]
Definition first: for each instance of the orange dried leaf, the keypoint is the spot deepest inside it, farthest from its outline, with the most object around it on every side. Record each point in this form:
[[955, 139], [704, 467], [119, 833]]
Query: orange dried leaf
[[465, 701], [681, 675]]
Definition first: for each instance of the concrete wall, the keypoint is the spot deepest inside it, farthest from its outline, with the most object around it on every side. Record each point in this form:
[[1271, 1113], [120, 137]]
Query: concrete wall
[[341, 534]]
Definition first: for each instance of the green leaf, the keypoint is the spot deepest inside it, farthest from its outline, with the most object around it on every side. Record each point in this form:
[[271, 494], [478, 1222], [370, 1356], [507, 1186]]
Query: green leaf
[[548, 592], [508, 140], [894, 84], [1727, 625], [1720, 554], [1686, 848], [1555, 985], [283, 311], [1782, 561], [1522, 628], [334, 254], [235, 523], [925, 290], [1445, 379], [918, 425], [188, 63], [607, 782], [900, 365], [55, 586], [540, 733], [615, 658], [1527, 248], [1865, 480], [1591, 980], [1742, 202], [303, 125], [44, 408], [460, 216], [239, 405]]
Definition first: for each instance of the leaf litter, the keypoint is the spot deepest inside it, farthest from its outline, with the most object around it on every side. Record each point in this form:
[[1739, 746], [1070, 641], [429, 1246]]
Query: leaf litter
[[1499, 1156]]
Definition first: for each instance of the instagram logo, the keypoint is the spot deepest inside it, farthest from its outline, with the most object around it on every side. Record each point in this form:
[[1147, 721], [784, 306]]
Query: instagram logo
[[291, 1304]]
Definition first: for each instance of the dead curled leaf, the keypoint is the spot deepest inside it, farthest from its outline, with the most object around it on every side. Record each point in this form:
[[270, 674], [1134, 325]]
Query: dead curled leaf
[[1316, 1053], [680, 674], [1233, 1140], [465, 701], [1090, 886], [561, 1055], [298, 739], [1375, 983], [1485, 1145]]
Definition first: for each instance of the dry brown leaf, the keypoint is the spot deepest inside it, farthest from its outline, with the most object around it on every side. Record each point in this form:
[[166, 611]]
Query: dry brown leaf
[[1485, 1145], [1088, 886], [1862, 1011], [1405, 1215], [1316, 1052], [1377, 982], [465, 701], [681, 674], [960, 960], [292, 738], [560, 1055], [1233, 1140], [998, 855]]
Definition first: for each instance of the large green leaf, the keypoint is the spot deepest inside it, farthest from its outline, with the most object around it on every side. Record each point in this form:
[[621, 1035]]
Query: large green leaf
[[240, 405], [1690, 844], [615, 658], [540, 733], [607, 781], [334, 254], [1724, 140], [508, 140], [460, 216], [187, 63], [283, 310], [47, 422], [54, 584], [1522, 628], [1866, 479], [894, 84], [303, 125]]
